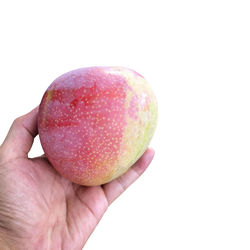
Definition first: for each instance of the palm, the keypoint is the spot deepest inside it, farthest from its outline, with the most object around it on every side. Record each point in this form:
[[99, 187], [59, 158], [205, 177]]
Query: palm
[[41, 206], [50, 203]]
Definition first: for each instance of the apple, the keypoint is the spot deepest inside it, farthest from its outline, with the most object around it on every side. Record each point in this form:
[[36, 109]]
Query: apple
[[94, 123]]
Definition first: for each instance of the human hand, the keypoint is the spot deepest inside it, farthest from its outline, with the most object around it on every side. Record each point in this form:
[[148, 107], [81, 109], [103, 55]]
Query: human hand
[[40, 209]]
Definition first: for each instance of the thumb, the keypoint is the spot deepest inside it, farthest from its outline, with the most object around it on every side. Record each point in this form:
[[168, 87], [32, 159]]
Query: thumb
[[21, 135]]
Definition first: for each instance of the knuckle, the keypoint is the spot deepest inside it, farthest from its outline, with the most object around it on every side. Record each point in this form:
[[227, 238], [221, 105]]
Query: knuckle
[[17, 121]]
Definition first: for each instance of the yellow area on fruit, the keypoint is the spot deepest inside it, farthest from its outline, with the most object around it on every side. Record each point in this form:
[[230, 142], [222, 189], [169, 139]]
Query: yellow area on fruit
[[102, 174], [138, 132], [48, 98]]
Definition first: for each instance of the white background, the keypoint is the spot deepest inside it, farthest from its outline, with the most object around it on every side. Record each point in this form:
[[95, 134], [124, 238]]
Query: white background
[[196, 56]]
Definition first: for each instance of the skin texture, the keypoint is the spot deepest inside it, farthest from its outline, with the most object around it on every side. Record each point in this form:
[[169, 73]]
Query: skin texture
[[94, 123], [40, 209]]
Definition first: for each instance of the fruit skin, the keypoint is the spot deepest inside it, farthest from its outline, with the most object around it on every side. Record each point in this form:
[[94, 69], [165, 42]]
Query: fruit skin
[[94, 123]]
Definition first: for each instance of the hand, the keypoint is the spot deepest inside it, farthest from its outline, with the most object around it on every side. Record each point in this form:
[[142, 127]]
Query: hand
[[39, 209]]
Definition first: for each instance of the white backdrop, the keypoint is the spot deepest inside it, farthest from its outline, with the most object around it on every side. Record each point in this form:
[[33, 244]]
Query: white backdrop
[[196, 56]]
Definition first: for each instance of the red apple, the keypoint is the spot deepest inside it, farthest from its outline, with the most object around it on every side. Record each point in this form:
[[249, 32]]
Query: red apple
[[94, 123]]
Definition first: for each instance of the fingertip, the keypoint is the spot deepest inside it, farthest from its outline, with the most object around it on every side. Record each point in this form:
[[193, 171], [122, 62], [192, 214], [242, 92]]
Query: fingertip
[[20, 137], [151, 152], [32, 114], [148, 155], [142, 164]]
